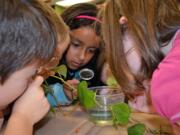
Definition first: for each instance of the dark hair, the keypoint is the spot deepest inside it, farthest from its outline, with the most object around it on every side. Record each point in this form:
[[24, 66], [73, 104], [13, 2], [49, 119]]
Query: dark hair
[[29, 31], [89, 9]]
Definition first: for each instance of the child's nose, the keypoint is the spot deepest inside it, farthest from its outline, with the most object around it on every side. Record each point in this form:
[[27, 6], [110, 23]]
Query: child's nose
[[82, 55]]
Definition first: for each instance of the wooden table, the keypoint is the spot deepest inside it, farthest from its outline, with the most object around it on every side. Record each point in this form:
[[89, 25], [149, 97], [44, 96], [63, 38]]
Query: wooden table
[[77, 123]]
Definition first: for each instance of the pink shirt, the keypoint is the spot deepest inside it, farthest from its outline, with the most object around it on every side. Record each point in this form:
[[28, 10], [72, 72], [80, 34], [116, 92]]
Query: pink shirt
[[165, 84]]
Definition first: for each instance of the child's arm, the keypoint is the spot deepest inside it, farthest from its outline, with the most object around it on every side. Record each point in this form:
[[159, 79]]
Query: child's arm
[[62, 93], [18, 125], [27, 110], [165, 84], [58, 97]]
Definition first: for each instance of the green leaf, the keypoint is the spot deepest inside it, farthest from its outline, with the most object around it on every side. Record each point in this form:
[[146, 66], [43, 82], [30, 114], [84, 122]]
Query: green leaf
[[111, 81], [121, 113], [61, 70], [137, 129], [86, 96], [52, 110], [81, 86]]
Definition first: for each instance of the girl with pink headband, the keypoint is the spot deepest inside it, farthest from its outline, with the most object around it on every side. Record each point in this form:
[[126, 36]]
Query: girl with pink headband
[[84, 52]]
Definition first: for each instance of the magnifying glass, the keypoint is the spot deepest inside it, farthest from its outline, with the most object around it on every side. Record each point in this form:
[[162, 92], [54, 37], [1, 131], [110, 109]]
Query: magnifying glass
[[86, 74]]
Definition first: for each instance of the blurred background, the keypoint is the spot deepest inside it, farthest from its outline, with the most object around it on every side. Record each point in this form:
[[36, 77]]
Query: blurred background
[[60, 5]]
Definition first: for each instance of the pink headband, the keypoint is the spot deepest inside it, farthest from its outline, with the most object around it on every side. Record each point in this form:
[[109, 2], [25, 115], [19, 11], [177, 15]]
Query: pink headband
[[87, 17]]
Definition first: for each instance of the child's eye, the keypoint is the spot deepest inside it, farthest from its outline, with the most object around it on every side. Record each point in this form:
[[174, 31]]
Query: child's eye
[[75, 44], [92, 50]]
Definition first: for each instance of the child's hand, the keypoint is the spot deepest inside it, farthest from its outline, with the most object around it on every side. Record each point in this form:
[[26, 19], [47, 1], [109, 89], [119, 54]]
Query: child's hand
[[32, 105], [141, 103], [68, 91]]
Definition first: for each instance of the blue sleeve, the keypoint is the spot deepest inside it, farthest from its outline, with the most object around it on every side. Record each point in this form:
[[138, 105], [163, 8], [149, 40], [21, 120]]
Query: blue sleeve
[[77, 76], [59, 94]]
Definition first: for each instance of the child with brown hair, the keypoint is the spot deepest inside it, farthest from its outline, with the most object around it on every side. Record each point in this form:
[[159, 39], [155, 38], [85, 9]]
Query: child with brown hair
[[85, 51], [32, 39], [142, 39]]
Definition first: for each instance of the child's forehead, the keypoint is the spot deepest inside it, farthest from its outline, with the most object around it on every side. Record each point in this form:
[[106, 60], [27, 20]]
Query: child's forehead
[[83, 31]]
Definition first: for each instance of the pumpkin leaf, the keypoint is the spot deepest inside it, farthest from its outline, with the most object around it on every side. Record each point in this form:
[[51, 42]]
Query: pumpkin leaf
[[61, 70], [86, 96], [121, 113], [137, 129]]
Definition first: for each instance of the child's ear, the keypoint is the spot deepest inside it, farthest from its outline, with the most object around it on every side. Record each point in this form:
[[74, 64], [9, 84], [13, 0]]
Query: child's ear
[[122, 20]]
